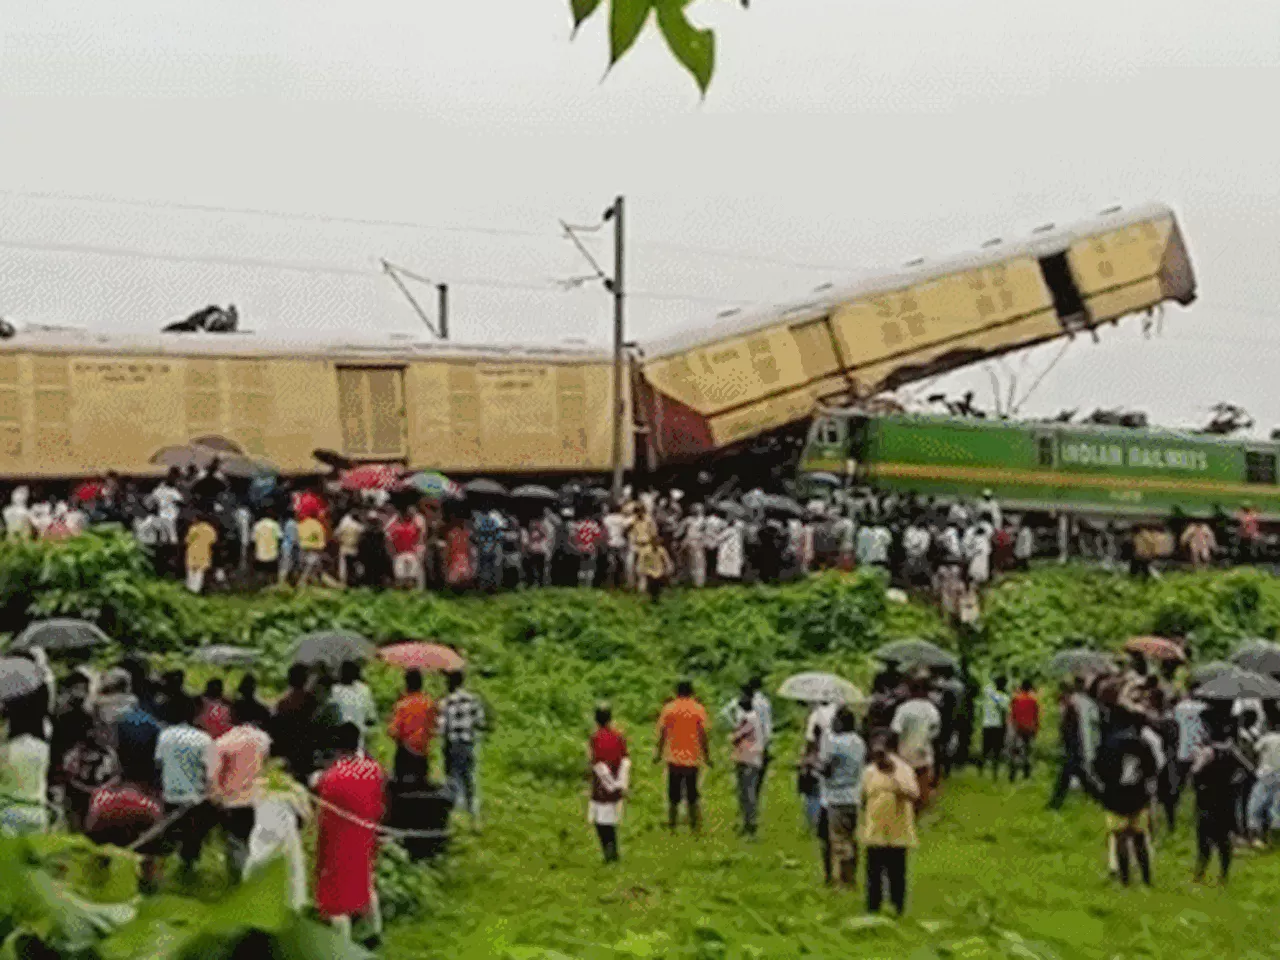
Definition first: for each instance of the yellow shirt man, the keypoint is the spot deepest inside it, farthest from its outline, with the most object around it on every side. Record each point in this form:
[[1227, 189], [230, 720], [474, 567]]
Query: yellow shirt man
[[311, 535], [200, 540]]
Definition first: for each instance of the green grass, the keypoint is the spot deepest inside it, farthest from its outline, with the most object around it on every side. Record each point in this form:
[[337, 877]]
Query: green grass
[[995, 876]]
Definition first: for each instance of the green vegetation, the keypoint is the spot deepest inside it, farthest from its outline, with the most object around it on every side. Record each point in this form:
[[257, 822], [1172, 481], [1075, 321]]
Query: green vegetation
[[996, 876]]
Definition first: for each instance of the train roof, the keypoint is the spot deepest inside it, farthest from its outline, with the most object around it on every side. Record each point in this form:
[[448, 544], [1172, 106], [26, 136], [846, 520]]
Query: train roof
[[250, 345], [1045, 241], [1103, 431]]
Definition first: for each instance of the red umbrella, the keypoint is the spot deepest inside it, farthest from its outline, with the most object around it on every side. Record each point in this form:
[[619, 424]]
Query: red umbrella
[[428, 657], [88, 491], [373, 476], [1157, 648]]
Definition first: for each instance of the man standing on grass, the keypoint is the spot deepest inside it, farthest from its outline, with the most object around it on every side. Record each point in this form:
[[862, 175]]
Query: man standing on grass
[[682, 739], [610, 779], [235, 784], [1071, 731], [748, 757], [841, 760], [462, 721], [413, 724], [917, 723], [1024, 724], [1126, 771], [995, 712]]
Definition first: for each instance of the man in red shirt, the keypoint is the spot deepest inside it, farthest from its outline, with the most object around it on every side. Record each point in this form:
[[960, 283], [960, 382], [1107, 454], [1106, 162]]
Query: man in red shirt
[[610, 776], [585, 535], [1024, 724], [121, 813], [682, 738], [404, 538]]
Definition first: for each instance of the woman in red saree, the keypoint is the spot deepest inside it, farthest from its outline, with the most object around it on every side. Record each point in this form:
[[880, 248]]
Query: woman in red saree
[[347, 850]]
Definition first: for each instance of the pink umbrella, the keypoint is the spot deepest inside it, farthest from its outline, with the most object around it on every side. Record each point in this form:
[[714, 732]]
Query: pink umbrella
[[428, 657], [373, 476]]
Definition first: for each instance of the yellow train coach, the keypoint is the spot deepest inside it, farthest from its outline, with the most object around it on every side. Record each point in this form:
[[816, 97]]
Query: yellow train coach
[[710, 389], [73, 404]]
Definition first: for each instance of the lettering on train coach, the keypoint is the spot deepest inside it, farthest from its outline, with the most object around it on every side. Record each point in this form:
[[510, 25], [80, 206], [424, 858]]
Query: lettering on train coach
[[120, 371], [1135, 457]]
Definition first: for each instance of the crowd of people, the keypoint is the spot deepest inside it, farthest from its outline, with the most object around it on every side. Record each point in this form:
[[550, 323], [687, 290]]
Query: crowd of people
[[1139, 742], [141, 763], [216, 530]]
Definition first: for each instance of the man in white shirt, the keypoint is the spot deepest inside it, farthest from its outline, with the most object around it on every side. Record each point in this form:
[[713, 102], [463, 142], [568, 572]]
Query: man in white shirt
[[1263, 813], [917, 724], [184, 754], [17, 518], [693, 540], [167, 500], [354, 700], [616, 525], [995, 721], [991, 509], [977, 552]]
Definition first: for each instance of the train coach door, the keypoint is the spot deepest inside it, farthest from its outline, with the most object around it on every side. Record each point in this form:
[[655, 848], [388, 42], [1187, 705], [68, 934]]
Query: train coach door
[[371, 406]]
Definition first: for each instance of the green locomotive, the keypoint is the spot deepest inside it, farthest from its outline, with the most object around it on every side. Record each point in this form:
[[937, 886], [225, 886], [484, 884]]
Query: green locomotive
[[1071, 468]]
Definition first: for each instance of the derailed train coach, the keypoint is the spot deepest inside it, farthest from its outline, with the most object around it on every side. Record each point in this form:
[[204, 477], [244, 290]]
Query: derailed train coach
[[710, 390]]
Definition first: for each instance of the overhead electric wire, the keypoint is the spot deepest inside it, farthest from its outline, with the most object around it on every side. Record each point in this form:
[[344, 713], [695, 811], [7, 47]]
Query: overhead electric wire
[[515, 232], [260, 263]]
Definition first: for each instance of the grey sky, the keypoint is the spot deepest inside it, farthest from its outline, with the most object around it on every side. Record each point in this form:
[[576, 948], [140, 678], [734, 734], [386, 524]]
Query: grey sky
[[839, 134]]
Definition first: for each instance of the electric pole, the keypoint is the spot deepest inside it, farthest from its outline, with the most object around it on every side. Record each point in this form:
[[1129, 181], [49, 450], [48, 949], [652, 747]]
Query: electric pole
[[615, 286], [443, 290]]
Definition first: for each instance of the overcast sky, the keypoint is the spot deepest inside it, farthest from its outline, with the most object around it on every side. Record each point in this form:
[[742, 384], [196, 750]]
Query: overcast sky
[[839, 136]]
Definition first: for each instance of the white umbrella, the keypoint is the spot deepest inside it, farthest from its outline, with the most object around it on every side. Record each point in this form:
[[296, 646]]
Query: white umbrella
[[820, 688]]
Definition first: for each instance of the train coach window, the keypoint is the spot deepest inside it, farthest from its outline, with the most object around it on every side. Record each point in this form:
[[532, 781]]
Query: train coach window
[[1044, 449], [830, 432], [1259, 467]]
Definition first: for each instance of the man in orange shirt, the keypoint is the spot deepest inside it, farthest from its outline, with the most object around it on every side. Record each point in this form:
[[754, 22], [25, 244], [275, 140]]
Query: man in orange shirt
[[412, 726], [682, 738]]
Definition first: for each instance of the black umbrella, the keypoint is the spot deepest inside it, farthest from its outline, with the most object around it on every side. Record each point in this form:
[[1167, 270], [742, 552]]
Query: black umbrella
[[485, 488], [1239, 684], [1211, 671], [331, 458], [59, 635], [534, 491], [19, 677], [1078, 662], [332, 647], [225, 655], [918, 653], [1260, 656]]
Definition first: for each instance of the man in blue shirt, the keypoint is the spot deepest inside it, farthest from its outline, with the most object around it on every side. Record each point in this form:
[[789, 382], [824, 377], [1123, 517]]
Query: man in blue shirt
[[841, 759], [137, 731]]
